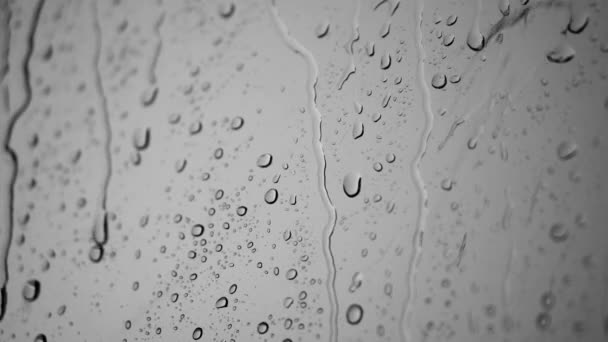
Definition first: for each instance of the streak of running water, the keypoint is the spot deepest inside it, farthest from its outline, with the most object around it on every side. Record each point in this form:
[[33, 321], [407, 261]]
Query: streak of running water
[[100, 229], [415, 168], [157, 49], [7, 134], [313, 74], [350, 47]]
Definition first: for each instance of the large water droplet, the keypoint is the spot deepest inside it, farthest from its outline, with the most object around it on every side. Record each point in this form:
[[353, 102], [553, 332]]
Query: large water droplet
[[197, 334], [264, 160], [271, 196], [31, 290], [262, 328], [439, 81], [221, 303], [352, 184], [578, 22], [354, 314]]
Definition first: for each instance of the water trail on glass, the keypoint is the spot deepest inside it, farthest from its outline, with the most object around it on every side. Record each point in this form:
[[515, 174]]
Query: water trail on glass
[[100, 229], [313, 74], [417, 177], [14, 160]]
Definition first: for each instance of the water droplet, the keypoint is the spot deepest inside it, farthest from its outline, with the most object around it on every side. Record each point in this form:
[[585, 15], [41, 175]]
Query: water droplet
[[221, 303], [264, 160], [547, 300], [96, 253], [197, 334], [578, 22], [236, 123], [357, 129], [262, 328], [448, 39], [227, 10], [141, 138], [352, 184], [197, 230], [291, 274], [567, 150], [232, 289], [447, 184], [271, 196], [543, 321], [354, 314], [241, 211], [356, 282], [40, 338], [149, 96], [195, 127], [452, 19], [475, 40], [439, 81], [558, 233], [322, 29], [563, 53], [370, 48], [31, 290], [385, 61]]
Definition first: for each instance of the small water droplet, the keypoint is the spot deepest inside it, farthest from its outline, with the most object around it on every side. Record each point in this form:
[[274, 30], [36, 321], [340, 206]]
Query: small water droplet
[[558, 233], [578, 22], [358, 129], [567, 150], [197, 230], [385, 61], [262, 328], [227, 10], [31, 290], [563, 53], [197, 334], [322, 29]]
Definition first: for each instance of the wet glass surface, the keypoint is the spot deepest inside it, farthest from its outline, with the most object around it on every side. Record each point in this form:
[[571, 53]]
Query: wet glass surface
[[285, 170]]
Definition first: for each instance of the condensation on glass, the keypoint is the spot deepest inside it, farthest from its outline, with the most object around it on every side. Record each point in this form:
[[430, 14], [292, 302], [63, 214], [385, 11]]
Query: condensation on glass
[[282, 170]]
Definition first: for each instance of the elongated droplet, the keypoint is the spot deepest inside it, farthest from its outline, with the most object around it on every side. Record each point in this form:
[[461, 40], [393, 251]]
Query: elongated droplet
[[578, 22], [322, 29], [385, 61], [221, 303], [561, 54], [357, 130], [197, 334], [352, 184]]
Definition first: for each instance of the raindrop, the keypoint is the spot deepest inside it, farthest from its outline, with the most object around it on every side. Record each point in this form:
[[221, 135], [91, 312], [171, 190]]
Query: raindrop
[[149, 96], [221, 303], [197, 230], [31, 290], [357, 129], [232, 289], [264, 160], [354, 314], [197, 334], [547, 300], [543, 321], [475, 40], [271, 196], [227, 10], [352, 184], [322, 29], [567, 150], [141, 139], [439, 81], [291, 274], [262, 328], [452, 19], [40, 338], [236, 123], [385, 61], [561, 54], [558, 233], [241, 211], [578, 22]]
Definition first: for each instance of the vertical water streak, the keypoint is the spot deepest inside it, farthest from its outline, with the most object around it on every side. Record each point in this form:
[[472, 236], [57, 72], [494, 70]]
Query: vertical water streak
[[417, 177], [313, 74], [350, 47], [100, 229], [157, 48], [8, 149]]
